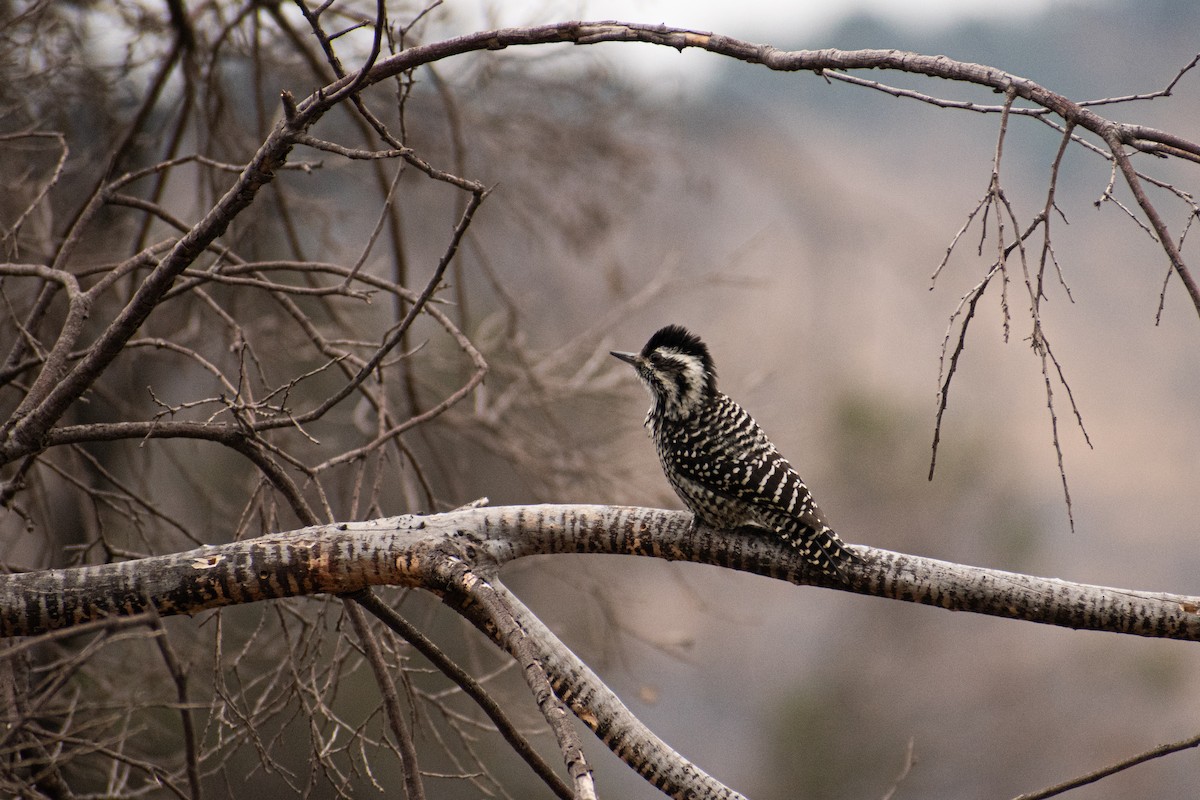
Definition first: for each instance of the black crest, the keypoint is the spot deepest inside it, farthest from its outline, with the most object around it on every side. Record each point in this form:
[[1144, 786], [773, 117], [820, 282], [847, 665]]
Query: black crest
[[680, 339]]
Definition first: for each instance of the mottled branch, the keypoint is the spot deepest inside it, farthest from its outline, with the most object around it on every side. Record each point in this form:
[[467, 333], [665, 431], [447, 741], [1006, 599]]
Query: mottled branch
[[408, 551], [457, 555]]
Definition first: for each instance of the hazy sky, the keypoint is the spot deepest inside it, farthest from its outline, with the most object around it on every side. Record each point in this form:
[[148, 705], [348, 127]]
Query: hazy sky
[[744, 17]]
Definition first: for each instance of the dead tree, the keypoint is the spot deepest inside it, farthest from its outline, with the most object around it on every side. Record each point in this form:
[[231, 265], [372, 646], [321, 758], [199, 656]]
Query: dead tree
[[181, 334]]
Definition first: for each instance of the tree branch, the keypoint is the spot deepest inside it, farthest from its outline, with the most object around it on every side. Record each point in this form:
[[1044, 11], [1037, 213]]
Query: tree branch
[[613, 723], [31, 426], [1112, 769], [347, 557], [472, 595], [520, 745], [457, 555], [414, 788]]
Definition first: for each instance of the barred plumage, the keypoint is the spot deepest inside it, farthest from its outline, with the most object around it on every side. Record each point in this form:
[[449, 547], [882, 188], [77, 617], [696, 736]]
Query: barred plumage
[[717, 458]]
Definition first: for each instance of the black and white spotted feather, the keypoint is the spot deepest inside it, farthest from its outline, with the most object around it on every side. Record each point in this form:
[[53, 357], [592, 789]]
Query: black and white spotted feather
[[717, 458]]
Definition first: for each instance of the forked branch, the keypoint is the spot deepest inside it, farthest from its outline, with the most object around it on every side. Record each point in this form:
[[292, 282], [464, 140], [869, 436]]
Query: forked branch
[[458, 554]]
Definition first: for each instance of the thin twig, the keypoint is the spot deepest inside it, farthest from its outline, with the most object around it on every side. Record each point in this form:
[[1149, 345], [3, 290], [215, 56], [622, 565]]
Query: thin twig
[[946, 375], [1092, 777], [1164, 92], [414, 787], [426, 647], [180, 679], [1160, 228]]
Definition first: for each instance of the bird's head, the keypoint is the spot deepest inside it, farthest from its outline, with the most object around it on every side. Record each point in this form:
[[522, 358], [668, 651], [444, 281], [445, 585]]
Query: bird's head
[[678, 371]]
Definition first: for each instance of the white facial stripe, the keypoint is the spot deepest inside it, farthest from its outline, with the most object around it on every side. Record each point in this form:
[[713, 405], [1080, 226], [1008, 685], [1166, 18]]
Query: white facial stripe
[[685, 391]]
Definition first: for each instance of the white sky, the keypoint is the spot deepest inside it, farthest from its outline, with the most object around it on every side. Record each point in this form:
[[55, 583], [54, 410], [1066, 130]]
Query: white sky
[[745, 17]]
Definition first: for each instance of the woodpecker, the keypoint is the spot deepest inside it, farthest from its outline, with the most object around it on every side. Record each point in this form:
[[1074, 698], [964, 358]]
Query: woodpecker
[[718, 459]]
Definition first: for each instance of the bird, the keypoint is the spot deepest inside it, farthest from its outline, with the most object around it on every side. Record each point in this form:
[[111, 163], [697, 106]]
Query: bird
[[719, 460]]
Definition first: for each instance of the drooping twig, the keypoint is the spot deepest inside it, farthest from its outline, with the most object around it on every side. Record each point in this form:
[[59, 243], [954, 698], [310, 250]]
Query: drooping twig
[[946, 373]]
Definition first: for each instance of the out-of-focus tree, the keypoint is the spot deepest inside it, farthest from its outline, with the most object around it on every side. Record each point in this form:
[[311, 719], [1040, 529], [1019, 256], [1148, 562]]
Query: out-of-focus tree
[[236, 304]]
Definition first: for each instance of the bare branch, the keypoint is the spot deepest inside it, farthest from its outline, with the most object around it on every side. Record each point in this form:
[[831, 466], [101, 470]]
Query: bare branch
[[340, 407], [1092, 777], [459, 552], [482, 603], [32, 426], [413, 785], [1163, 92], [180, 678], [1112, 136], [469, 685], [350, 556], [602, 711]]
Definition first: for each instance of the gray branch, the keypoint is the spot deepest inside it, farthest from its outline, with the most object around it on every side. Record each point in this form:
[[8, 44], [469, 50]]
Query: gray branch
[[345, 557], [471, 545]]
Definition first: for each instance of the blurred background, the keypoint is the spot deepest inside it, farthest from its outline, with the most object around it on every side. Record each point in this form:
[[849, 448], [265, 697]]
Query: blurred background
[[795, 224], [803, 221]]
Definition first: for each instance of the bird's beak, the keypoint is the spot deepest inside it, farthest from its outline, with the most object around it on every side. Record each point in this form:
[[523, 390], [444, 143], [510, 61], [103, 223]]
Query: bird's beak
[[628, 358]]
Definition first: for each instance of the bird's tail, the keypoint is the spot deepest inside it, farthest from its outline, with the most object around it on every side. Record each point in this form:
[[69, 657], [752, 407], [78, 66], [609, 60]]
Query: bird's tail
[[825, 551]]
